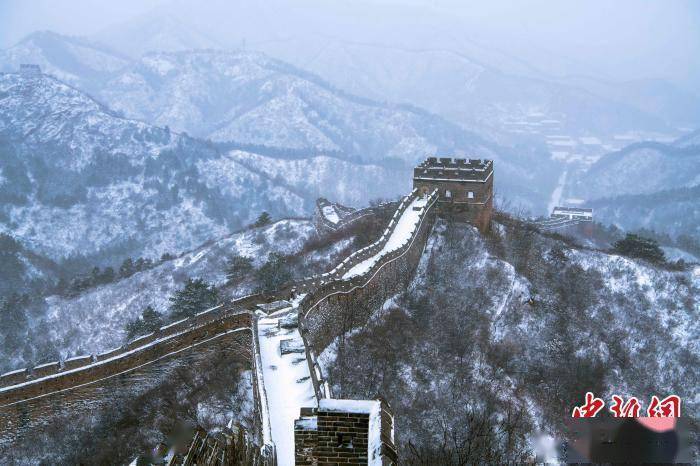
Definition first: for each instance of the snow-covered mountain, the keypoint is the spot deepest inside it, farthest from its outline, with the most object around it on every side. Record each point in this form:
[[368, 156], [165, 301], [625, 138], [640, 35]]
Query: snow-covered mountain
[[95, 320], [641, 168], [253, 99], [240, 96], [672, 211], [323, 176], [646, 185], [371, 49], [250, 98], [473, 92], [22, 270], [690, 139], [667, 102], [76, 179], [75, 60]]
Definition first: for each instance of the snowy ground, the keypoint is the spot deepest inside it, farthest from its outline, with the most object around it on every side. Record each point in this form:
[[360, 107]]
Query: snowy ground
[[555, 199], [402, 233], [287, 381]]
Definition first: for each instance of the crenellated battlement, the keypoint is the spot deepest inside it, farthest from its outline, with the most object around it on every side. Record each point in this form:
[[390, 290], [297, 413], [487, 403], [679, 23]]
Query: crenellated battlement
[[27, 375]]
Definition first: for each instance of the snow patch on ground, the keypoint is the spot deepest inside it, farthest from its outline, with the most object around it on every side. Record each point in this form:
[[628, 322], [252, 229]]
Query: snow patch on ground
[[330, 214]]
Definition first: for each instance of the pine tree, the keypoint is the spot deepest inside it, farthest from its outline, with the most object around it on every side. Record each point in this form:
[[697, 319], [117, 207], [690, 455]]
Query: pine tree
[[62, 286], [95, 275], [196, 296], [237, 267], [274, 273], [150, 321], [166, 257], [636, 246], [263, 219], [127, 268], [108, 275]]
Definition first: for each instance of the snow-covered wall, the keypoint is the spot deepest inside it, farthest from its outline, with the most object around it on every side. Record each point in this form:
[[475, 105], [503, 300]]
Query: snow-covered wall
[[141, 363], [340, 301], [329, 216]]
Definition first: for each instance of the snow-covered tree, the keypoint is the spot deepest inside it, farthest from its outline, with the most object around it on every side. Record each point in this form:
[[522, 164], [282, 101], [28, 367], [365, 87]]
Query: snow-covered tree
[[636, 246], [263, 219], [150, 321], [237, 267], [274, 273], [196, 296]]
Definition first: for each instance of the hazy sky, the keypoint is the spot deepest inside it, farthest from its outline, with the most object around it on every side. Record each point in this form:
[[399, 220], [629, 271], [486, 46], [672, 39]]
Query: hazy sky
[[74, 17], [621, 39]]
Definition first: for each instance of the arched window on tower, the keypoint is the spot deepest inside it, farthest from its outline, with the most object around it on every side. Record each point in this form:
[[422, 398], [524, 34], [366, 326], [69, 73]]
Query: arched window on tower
[[448, 194]]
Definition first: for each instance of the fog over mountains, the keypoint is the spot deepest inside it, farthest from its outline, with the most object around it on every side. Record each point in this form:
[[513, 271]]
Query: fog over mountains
[[346, 120], [441, 59], [289, 129], [251, 99], [78, 179]]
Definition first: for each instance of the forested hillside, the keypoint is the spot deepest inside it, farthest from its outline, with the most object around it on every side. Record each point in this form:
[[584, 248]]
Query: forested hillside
[[498, 337]]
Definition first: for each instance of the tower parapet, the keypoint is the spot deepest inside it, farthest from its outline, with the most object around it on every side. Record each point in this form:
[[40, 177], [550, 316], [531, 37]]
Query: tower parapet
[[358, 432], [465, 187], [29, 70]]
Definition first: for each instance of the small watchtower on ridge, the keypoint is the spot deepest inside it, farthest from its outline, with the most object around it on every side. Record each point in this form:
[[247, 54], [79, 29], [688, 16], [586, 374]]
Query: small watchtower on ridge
[[465, 188], [29, 70]]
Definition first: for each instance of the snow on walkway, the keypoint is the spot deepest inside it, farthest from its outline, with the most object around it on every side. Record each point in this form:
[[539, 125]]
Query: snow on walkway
[[403, 232], [287, 381], [330, 214]]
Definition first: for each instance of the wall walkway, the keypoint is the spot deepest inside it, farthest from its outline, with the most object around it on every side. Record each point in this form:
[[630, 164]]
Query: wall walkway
[[345, 297]]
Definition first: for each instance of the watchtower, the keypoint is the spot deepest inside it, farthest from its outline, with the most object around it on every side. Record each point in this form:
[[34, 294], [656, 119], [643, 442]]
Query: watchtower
[[352, 432], [29, 70], [465, 188]]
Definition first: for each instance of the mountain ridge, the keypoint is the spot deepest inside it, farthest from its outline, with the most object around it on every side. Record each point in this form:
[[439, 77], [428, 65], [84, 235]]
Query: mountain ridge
[[69, 166]]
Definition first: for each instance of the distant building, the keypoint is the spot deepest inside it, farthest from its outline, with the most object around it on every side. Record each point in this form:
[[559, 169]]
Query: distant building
[[29, 70], [573, 213], [465, 188], [358, 432]]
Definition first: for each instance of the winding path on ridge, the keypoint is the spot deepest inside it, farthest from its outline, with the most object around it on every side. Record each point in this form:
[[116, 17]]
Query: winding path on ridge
[[405, 228]]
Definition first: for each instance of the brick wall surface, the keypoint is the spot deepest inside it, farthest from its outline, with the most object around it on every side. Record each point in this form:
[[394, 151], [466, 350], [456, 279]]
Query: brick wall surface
[[340, 438], [26, 407], [458, 205], [339, 306], [325, 436]]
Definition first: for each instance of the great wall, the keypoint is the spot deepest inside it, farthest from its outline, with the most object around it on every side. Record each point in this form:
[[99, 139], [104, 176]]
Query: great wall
[[324, 308]]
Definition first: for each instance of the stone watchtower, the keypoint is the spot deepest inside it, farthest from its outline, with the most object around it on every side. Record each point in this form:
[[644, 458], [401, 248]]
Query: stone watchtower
[[29, 70], [358, 432], [465, 188]]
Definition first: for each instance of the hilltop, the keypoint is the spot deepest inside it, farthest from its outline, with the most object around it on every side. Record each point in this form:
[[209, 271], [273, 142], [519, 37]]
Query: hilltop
[[505, 333]]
